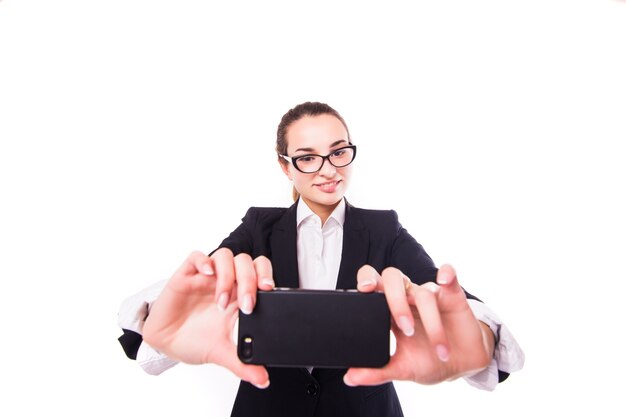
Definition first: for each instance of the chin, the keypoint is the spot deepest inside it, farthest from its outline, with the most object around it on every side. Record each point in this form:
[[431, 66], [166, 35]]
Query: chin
[[327, 199]]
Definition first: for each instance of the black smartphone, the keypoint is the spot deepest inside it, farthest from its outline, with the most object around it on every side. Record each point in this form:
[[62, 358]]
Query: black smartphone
[[326, 329]]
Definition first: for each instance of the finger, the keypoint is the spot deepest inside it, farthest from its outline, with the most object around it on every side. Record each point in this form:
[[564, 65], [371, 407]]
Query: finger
[[196, 262], [225, 354], [425, 298], [263, 268], [368, 279], [225, 273], [446, 277], [245, 275], [395, 293], [451, 291], [192, 274]]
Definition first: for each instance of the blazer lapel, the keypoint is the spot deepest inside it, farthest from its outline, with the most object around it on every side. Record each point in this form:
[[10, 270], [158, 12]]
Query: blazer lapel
[[355, 249], [284, 250]]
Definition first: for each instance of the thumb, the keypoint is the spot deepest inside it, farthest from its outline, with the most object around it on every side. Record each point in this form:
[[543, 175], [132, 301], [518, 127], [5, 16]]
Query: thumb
[[367, 376], [257, 375]]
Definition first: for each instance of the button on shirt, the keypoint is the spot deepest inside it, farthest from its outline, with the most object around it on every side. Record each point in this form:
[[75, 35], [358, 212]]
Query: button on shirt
[[319, 247]]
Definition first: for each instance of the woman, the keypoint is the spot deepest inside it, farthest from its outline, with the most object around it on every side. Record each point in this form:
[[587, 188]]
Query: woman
[[322, 242]]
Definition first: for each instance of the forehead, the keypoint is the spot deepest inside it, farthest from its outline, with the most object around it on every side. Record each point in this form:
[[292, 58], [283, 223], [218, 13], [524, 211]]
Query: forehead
[[315, 132]]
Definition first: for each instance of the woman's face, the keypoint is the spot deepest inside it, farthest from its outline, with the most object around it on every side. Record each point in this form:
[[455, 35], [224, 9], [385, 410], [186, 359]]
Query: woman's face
[[318, 135]]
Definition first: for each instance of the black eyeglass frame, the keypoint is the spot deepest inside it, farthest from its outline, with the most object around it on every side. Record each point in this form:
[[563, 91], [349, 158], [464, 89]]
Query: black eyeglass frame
[[294, 160]]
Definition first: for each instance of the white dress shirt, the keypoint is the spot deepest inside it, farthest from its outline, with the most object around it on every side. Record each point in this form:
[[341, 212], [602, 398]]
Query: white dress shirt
[[319, 249]]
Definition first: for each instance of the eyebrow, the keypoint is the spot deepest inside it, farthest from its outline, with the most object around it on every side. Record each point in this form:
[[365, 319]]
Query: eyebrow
[[335, 143]]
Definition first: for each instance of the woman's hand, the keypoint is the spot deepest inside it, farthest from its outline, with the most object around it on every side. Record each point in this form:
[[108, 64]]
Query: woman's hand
[[193, 319], [438, 337]]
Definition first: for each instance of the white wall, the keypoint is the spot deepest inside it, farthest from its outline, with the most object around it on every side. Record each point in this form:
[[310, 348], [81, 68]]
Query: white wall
[[133, 132]]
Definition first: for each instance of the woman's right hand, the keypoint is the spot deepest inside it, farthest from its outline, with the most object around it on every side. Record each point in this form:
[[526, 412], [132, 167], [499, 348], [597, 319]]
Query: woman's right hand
[[193, 319]]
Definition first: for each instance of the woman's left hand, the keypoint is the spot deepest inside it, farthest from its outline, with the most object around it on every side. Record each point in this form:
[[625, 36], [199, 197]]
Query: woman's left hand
[[438, 338]]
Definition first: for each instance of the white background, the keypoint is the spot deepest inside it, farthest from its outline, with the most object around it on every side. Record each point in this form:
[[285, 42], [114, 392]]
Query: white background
[[133, 132]]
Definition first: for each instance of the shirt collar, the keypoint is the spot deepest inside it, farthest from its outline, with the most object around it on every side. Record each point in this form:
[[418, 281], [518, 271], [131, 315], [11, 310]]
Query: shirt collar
[[303, 212]]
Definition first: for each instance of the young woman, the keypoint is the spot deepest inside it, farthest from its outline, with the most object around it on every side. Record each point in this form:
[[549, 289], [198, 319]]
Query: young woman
[[321, 242]]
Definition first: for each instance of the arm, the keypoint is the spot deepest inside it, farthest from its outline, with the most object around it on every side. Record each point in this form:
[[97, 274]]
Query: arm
[[489, 338], [441, 330], [504, 351], [507, 356]]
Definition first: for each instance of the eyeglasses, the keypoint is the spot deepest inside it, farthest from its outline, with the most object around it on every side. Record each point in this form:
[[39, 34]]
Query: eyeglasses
[[311, 163]]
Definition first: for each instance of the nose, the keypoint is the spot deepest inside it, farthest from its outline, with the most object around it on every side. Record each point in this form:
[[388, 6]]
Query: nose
[[327, 170]]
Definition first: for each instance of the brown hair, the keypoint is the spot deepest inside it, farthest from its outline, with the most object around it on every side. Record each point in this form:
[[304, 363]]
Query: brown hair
[[310, 108]]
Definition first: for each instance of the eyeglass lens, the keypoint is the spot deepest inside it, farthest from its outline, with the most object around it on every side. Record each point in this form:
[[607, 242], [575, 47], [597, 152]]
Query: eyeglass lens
[[312, 163]]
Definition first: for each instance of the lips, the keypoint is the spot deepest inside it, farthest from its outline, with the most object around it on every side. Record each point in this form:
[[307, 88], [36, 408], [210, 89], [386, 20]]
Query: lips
[[328, 187]]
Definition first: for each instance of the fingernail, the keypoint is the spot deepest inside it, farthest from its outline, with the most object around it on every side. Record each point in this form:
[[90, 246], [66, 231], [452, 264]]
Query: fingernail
[[207, 270], [246, 305], [442, 353], [269, 282], [222, 301], [367, 282], [432, 288], [263, 385], [443, 278], [348, 381], [405, 325]]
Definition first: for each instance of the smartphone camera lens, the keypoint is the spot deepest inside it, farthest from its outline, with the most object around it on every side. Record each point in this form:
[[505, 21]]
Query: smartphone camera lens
[[245, 348]]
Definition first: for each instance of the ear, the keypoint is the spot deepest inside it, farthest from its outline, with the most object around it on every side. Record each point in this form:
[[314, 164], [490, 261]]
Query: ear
[[285, 167]]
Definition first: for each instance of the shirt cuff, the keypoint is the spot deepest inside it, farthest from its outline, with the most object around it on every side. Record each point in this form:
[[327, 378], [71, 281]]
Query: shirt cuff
[[132, 316], [152, 361], [508, 355], [134, 309]]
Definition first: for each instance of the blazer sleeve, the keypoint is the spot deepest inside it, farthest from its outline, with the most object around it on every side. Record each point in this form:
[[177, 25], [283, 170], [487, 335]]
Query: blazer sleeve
[[411, 258], [253, 234], [241, 240]]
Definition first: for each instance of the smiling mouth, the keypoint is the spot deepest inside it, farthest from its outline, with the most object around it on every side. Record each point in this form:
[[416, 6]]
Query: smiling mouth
[[328, 187], [328, 184]]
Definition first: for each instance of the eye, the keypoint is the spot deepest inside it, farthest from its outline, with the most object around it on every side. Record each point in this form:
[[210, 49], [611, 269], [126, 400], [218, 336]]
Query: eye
[[305, 158], [339, 152]]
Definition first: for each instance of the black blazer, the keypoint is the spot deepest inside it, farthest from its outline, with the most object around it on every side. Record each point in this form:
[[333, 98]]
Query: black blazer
[[372, 237]]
